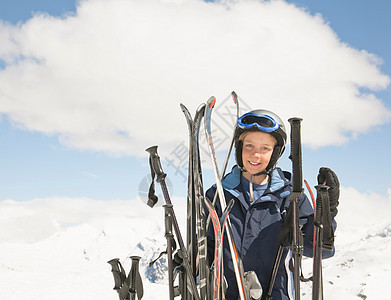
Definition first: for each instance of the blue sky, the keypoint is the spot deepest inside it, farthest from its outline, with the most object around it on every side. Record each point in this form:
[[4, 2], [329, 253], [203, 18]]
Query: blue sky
[[36, 164]]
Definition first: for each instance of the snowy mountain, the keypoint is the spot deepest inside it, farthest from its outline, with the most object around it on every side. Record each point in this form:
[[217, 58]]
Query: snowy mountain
[[58, 248]]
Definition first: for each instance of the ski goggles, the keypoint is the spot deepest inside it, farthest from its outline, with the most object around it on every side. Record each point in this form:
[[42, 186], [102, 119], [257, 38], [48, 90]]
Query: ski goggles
[[264, 123]]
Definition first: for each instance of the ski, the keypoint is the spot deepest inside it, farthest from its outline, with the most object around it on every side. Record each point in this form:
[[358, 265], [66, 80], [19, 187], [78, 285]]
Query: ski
[[198, 189], [217, 249], [236, 101], [195, 209], [234, 254], [218, 229], [191, 218]]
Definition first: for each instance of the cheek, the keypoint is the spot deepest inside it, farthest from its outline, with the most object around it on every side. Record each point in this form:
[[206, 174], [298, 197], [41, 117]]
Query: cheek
[[269, 156], [243, 156], [246, 153], [266, 156]]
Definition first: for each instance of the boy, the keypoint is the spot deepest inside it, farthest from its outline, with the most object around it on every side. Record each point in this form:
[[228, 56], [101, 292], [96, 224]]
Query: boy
[[261, 193]]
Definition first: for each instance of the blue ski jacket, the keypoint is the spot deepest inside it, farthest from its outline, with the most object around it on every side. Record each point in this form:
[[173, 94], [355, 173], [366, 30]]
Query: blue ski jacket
[[256, 229]]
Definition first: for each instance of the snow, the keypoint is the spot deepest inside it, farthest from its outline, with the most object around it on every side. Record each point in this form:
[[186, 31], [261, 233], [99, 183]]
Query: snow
[[58, 248]]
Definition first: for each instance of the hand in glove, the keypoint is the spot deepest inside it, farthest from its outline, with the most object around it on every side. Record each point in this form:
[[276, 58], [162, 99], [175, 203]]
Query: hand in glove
[[328, 177]]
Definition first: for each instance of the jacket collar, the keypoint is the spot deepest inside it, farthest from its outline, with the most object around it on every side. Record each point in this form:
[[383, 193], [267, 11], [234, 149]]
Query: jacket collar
[[279, 182]]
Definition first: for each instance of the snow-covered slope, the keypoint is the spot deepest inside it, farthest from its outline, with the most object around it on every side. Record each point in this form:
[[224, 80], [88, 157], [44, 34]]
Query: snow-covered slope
[[58, 248]]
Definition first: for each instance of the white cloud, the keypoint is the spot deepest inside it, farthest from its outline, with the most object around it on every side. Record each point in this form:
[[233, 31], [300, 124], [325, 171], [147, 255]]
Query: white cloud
[[111, 77]]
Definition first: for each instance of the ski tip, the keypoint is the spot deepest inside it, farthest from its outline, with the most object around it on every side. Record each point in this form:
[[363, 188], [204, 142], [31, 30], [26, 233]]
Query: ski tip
[[151, 150], [234, 96], [212, 102], [183, 107], [201, 108]]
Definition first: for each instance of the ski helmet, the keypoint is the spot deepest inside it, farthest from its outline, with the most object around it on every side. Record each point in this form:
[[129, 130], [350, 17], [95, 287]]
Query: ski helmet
[[265, 121]]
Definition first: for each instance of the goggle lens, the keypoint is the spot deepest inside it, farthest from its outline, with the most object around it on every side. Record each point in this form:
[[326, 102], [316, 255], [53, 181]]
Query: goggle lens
[[263, 122]]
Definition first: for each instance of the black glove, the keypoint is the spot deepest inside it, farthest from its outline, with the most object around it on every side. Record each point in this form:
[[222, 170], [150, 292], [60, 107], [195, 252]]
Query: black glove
[[328, 177]]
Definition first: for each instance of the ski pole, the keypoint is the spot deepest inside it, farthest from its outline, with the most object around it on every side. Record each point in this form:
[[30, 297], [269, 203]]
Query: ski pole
[[274, 273], [135, 288], [297, 182], [322, 204], [118, 273], [129, 286], [169, 237], [156, 166], [291, 223]]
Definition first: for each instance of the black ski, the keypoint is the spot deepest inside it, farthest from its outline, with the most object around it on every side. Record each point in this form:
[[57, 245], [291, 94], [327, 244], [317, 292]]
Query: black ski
[[195, 209], [203, 269], [191, 211]]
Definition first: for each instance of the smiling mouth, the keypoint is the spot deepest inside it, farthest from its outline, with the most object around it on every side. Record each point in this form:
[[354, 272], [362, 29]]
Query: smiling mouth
[[254, 163]]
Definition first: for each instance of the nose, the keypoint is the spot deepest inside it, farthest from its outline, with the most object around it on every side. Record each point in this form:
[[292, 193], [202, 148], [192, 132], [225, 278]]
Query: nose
[[256, 152]]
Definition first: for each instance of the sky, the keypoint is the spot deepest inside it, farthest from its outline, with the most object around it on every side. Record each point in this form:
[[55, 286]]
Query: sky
[[86, 87]]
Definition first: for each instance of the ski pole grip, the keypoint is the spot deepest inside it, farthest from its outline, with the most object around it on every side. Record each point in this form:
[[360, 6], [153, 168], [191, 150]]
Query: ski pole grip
[[155, 163], [114, 265], [135, 259], [321, 194], [168, 219], [328, 230], [133, 288], [295, 156]]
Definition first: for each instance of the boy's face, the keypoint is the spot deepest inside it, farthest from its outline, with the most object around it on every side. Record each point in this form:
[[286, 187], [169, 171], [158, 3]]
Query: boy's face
[[257, 150]]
